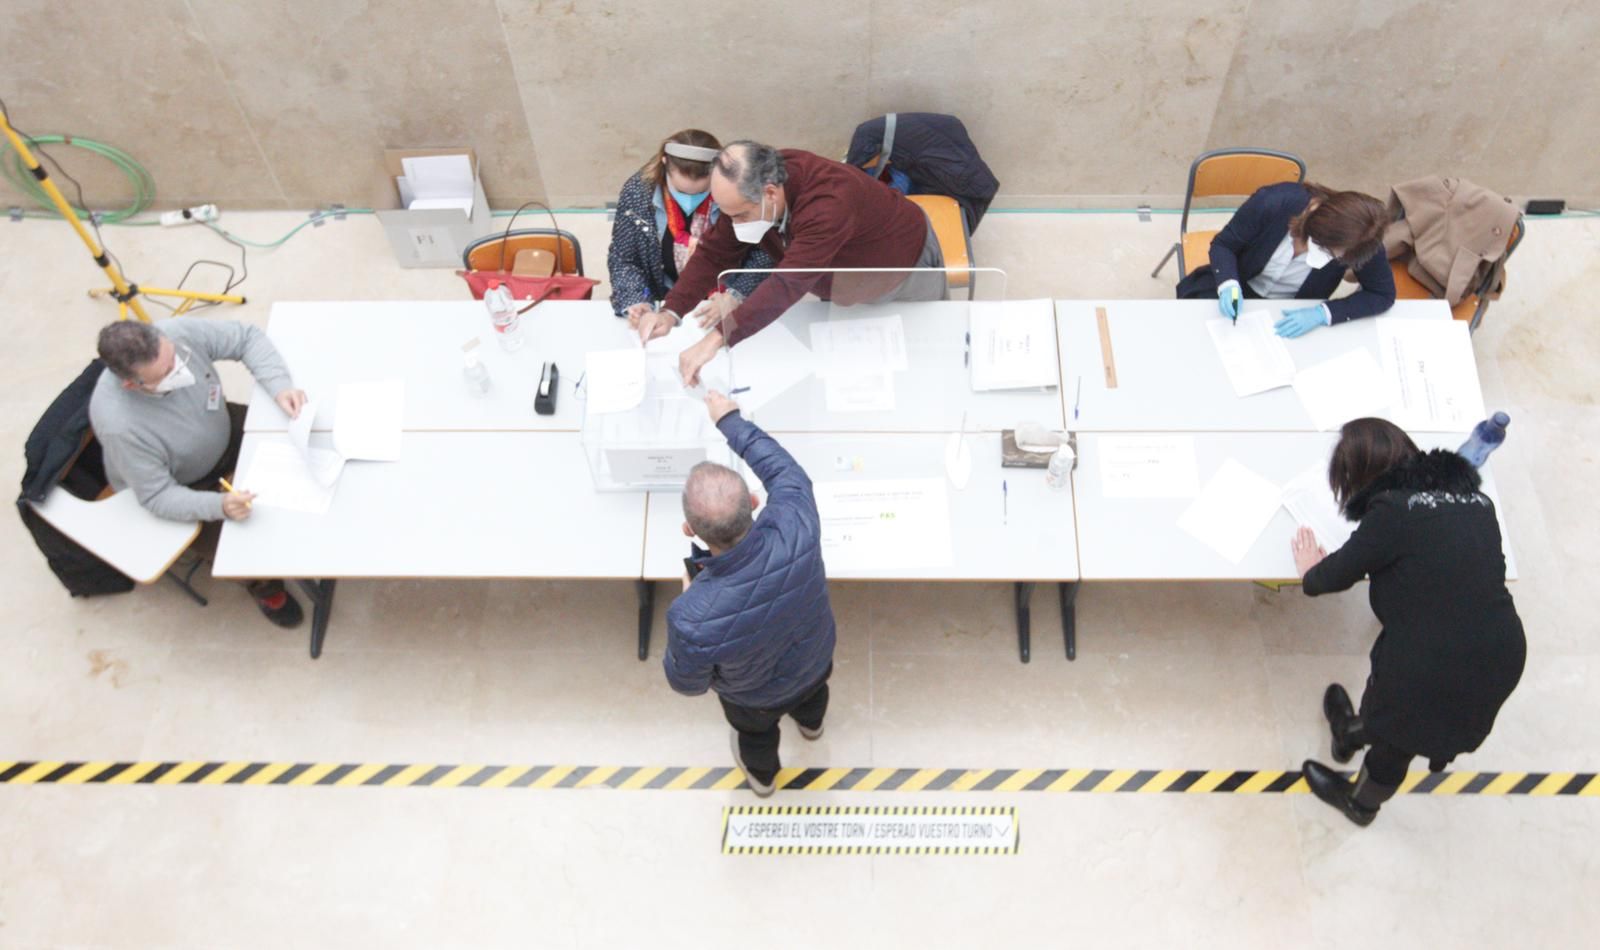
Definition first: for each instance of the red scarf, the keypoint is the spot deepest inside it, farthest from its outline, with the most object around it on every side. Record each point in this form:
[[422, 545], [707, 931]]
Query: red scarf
[[678, 224]]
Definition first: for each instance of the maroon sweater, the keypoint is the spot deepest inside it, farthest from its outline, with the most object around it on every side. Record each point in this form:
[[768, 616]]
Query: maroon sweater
[[838, 217]]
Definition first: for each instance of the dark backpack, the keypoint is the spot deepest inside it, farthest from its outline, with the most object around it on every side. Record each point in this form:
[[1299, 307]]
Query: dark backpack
[[61, 454]]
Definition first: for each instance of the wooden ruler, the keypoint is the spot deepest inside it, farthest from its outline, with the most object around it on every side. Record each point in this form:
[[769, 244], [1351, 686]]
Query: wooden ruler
[[1106, 359]]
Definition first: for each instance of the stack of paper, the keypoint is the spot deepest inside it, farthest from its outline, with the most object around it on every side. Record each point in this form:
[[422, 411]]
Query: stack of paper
[[1013, 346], [1252, 353], [436, 181], [857, 360], [1309, 500], [1346, 387], [1432, 375], [293, 475], [1232, 510]]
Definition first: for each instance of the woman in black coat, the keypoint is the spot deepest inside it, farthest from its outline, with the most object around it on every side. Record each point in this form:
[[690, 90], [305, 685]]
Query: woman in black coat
[[1451, 649]]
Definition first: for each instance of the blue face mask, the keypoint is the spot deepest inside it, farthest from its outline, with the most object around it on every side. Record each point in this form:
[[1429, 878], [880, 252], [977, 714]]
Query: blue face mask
[[688, 202]]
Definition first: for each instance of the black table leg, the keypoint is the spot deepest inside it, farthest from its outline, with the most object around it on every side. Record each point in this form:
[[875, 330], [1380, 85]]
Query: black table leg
[[321, 594], [1024, 592], [1069, 617], [647, 614]]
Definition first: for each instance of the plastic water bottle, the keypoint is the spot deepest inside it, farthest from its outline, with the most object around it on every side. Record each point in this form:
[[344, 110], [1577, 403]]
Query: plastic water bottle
[[503, 314], [1486, 437], [475, 374], [1059, 472]]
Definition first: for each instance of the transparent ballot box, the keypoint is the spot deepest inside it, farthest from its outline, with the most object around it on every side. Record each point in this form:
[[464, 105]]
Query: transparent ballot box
[[645, 441], [892, 350]]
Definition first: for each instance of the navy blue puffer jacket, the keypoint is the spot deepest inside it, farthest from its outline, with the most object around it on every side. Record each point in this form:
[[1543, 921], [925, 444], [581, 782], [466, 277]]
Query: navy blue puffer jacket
[[756, 625]]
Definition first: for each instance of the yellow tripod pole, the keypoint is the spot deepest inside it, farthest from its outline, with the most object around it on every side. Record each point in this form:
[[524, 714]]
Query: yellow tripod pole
[[126, 294]]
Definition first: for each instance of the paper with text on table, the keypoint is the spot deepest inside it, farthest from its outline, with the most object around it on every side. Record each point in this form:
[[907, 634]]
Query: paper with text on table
[[1147, 466], [325, 464], [1309, 500], [280, 478], [884, 524], [1252, 353], [1232, 510], [1013, 345], [860, 345], [369, 420], [1432, 374]]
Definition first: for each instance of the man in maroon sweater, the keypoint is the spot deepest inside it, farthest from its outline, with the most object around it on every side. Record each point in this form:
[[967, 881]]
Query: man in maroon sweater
[[811, 215]]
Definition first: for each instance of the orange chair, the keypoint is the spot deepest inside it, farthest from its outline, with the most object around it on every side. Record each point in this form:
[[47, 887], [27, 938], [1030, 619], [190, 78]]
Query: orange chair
[[955, 242], [1229, 171], [1473, 305], [496, 252]]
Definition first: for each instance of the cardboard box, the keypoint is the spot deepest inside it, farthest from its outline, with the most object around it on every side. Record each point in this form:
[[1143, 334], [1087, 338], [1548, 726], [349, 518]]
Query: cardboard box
[[429, 238]]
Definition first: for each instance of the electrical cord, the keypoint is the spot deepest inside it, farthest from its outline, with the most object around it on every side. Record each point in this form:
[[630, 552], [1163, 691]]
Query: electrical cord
[[15, 172]]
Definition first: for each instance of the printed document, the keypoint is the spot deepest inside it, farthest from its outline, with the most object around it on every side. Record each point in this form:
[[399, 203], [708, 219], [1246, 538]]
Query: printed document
[[1148, 466], [280, 478], [1013, 345], [863, 392], [1252, 353], [857, 346], [1232, 510], [369, 420], [1433, 377], [1309, 499], [1349, 386], [884, 524]]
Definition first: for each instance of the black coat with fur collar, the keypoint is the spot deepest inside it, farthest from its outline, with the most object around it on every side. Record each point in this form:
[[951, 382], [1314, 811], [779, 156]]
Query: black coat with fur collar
[[1452, 648]]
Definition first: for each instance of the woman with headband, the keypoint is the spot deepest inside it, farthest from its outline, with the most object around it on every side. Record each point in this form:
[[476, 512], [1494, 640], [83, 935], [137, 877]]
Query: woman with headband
[[662, 212]]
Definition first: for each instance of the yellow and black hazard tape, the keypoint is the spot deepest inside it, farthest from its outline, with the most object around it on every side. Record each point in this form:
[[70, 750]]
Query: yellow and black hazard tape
[[721, 778]]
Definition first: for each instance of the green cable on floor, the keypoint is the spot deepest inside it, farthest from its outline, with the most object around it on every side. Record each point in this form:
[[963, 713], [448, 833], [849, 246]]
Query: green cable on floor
[[15, 172]]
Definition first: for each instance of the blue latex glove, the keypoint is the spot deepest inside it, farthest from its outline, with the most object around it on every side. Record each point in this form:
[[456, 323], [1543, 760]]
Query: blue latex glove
[[1300, 321], [1228, 300]]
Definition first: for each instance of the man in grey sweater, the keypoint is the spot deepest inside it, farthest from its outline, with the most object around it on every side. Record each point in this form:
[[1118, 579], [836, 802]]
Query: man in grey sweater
[[167, 433]]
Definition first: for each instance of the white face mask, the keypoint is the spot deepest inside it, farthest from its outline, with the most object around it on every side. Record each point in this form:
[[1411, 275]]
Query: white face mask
[[751, 232], [1317, 256], [178, 378]]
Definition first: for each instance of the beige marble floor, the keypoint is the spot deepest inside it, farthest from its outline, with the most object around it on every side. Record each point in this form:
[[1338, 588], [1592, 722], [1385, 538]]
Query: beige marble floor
[[1168, 676]]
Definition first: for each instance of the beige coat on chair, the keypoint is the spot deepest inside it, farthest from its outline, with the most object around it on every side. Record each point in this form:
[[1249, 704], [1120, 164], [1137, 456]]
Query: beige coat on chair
[[1452, 233]]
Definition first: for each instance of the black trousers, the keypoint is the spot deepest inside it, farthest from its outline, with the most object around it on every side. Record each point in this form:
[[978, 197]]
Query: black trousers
[[1386, 764], [758, 728]]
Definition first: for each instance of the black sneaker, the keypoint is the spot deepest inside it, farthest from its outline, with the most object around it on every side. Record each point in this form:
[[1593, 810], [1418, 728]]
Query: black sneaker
[[276, 603]]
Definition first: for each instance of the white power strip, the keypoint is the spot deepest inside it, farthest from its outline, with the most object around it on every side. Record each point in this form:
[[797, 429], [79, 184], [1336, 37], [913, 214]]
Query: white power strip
[[197, 213]]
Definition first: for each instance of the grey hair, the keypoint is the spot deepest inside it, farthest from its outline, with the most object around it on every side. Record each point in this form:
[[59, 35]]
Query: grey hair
[[716, 503], [128, 344], [751, 166]]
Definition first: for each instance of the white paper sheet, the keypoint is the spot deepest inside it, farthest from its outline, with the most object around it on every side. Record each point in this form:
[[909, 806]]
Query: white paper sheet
[[888, 524], [1349, 386], [615, 380], [1252, 353], [1148, 466], [866, 392], [1013, 346], [1309, 500], [438, 176], [1233, 508], [1432, 375], [325, 464], [369, 419], [771, 363], [859, 346], [280, 478]]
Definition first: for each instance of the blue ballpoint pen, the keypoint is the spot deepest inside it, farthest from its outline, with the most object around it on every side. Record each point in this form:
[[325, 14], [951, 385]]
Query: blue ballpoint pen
[[1005, 503]]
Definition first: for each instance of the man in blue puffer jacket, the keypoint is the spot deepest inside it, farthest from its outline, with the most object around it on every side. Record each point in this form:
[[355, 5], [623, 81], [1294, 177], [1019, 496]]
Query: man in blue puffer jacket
[[755, 624]]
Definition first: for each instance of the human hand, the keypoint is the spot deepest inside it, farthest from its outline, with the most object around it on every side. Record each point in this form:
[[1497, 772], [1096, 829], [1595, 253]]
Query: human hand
[[655, 323], [1228, 299], [636, 311], [1307, 552], [291, 401], [693, 358], [715, 309], [236, 505], [719, 405], [1300, 321]]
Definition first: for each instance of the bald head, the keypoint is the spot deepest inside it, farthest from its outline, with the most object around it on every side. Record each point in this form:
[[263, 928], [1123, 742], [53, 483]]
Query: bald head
[[716, 504]]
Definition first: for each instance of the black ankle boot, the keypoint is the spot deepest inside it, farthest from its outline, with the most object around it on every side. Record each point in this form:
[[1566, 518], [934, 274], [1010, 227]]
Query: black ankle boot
[[1359, 801], [1348, 735]]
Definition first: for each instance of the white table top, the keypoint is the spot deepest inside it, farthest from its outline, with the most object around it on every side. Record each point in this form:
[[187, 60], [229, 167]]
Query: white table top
[[120, 532], [1029, 536], [458, 504], [1139, 538], [930, 396], [1169, 377], [326, 344]]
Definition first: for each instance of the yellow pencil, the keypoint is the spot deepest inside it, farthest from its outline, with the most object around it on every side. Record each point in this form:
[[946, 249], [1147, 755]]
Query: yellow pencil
[[230, 489]]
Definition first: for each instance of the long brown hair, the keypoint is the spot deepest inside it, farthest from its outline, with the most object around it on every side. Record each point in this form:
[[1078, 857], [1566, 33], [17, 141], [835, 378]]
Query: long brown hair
[[1367, 448], [653, 171], [1347, 221]]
